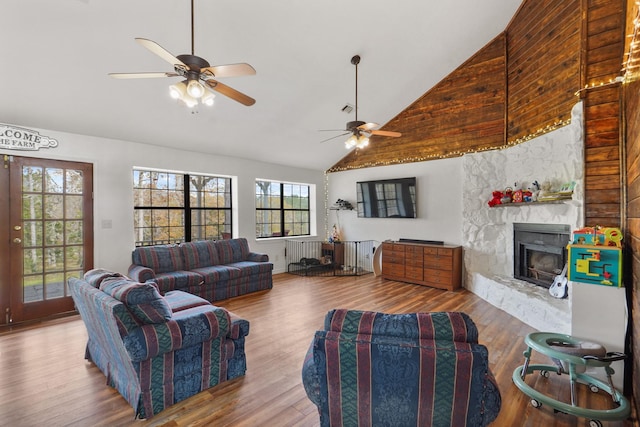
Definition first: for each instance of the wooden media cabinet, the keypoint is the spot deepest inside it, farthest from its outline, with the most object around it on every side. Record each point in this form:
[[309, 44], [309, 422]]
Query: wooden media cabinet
[[438, 266]]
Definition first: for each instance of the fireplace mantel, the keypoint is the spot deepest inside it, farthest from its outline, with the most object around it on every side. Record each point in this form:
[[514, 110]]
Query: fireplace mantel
[[525, 204]]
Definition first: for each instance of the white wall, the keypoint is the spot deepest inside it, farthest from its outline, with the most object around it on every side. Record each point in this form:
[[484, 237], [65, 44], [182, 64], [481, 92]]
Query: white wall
[[439, 203], [113, 161]]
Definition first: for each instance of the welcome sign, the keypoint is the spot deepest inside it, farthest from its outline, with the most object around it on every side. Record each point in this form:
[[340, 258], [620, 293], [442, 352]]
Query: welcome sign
[[15, 138]]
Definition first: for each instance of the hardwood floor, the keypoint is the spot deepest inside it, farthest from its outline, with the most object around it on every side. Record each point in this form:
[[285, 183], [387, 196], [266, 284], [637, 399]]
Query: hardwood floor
[[44, 379]]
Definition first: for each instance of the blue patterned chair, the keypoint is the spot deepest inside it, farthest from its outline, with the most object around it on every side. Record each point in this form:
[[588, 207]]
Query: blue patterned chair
[[157, 350], [421, 369]]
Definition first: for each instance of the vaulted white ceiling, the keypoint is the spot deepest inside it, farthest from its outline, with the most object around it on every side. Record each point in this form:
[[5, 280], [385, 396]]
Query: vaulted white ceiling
[[56, 56]]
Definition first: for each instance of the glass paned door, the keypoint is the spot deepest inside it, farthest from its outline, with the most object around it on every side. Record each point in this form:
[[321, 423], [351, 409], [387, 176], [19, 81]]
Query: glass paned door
[[51, 234]]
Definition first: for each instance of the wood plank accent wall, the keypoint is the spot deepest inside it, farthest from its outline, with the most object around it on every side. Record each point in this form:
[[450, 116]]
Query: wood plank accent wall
[[543, 63], [604, 48], [631, 93], [465, 112], [632, 235]]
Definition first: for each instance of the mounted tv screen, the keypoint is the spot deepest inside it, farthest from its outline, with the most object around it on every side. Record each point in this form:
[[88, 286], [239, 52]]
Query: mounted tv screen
[[388, 198]]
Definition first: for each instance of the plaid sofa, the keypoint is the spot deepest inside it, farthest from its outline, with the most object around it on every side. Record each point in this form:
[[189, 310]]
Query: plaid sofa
[[421, 369], [212, 269], [157, 350]]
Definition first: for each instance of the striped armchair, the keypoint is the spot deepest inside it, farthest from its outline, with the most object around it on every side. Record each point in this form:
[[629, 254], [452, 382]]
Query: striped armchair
[[421, 369], [157, 350]]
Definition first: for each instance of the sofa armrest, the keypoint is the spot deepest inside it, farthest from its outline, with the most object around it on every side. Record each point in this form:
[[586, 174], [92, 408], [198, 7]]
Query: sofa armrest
[[257, 257], [239, 327], [185, 329], [310, 379], [140, 273]]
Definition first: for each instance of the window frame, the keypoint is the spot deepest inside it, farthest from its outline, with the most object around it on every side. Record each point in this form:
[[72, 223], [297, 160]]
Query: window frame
[[282, 210], [186, 208]]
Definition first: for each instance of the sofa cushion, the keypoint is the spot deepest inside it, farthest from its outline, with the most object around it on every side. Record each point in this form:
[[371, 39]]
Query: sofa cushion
[[179, 300], [176, 280], [97, 275], [455, 326], [249, 268], [218, 273], [233, 250], [160, 258], [201, 253], [142, 299]]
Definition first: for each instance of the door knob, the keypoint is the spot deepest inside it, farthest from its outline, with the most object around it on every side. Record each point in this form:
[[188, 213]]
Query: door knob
[[17, 240], [17, 227]]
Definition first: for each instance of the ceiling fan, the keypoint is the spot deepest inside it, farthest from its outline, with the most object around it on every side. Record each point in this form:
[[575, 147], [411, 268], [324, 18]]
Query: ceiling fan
[[200, 78], [360, 131]]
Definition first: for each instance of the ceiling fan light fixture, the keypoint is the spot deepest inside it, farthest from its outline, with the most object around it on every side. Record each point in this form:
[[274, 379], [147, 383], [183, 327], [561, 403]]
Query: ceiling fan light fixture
[[363, 141], [195, 89], [189, 101], [178, 90], [351, 142], [208, 98]]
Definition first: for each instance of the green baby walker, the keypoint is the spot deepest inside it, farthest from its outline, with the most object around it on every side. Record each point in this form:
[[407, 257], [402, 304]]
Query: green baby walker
[[572, 356]]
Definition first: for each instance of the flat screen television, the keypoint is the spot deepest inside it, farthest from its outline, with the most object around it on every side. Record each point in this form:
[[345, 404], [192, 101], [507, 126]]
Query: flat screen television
[[387, 198]]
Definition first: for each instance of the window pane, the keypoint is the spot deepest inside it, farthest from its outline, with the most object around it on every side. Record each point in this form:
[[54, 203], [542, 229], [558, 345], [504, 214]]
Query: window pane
[[73, 184], [73, 207], [31, 206], [53, 233], [54, 206], [32, 179], [73, 232], [54, 180], [33, 233], [32, 261]]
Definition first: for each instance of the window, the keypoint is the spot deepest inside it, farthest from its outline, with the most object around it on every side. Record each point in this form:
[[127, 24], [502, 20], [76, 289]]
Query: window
[[282, 209], [166, 210]]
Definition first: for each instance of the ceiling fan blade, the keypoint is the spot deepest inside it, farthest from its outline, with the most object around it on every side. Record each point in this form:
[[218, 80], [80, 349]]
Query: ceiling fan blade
[[230, 70], [385, 133], [142, 75], [230, 92], [334, 137], [160, 51], [368, 126]]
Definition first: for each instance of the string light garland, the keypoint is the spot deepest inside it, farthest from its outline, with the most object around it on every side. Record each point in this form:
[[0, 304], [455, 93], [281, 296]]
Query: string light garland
[[594, 85], [630, 66], [326, 204], [450, 154]]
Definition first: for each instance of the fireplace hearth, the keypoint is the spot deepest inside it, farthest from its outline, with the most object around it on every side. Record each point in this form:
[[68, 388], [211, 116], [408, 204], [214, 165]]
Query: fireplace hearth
[[540, 252]]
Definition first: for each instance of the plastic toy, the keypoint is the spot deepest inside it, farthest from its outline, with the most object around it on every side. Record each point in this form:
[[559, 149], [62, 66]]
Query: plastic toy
[[496, 199], [595, 256]]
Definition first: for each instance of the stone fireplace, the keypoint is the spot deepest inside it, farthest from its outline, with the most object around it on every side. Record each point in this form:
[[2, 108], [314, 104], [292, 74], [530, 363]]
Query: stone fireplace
[[488, 232], [539, 252]]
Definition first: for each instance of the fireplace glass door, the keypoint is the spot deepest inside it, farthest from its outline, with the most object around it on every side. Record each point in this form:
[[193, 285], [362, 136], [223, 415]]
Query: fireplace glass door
[[540, 252]]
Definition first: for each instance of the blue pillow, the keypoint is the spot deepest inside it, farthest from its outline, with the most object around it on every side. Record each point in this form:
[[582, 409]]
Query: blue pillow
[[142, 299], [97, 275]]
